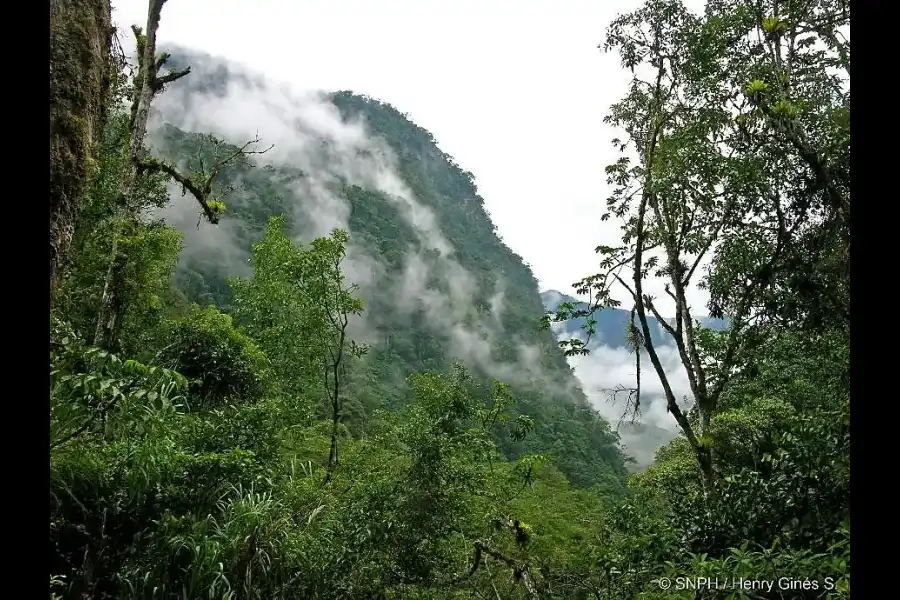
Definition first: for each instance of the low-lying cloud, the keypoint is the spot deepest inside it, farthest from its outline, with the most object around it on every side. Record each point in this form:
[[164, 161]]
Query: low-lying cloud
[[607, 368]]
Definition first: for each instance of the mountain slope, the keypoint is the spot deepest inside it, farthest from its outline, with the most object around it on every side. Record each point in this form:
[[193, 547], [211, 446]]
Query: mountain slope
[[439, 284], [611, 322]]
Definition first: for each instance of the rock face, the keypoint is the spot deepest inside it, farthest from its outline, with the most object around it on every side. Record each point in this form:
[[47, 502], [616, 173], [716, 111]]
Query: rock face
[[80, 39]]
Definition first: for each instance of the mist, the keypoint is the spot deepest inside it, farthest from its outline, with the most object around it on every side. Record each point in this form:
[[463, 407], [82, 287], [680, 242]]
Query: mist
[[607, 368]]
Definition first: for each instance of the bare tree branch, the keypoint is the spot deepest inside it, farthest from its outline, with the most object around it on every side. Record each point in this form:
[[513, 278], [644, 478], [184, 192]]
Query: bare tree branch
[[648, 199]]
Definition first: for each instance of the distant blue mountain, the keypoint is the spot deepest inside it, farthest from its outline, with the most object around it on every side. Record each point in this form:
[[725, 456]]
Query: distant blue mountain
[[611, 322]]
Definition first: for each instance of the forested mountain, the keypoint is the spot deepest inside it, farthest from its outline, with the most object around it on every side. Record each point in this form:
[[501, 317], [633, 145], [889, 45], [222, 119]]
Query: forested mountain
[[291, 357], [437, 283]]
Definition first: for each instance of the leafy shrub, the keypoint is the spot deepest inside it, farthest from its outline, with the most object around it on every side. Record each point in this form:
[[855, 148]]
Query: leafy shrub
[[224, 364]]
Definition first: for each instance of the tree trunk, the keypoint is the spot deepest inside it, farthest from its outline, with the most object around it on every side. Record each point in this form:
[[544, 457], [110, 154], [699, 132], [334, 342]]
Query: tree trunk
[[80, 41], [109, 320]]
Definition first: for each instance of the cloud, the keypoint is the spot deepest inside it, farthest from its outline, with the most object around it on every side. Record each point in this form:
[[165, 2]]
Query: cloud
[[607, 368], [497, 303]]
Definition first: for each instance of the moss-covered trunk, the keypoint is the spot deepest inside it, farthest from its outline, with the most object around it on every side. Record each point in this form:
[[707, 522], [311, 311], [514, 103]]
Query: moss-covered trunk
[[80, 41]]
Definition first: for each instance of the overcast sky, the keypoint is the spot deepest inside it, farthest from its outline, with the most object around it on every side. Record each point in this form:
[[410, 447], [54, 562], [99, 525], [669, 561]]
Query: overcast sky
[[514, 90]]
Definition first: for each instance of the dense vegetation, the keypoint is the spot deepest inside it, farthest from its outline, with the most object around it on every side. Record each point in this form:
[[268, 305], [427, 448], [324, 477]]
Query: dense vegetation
[[224, 432], [403, 342]]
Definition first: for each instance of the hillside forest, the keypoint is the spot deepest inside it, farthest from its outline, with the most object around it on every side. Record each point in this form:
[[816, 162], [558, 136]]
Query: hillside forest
[[303, 364]]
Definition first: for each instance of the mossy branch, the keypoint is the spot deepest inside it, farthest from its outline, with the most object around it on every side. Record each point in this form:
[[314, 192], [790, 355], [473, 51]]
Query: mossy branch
[[150, 85], [200, 184], [827, 178]]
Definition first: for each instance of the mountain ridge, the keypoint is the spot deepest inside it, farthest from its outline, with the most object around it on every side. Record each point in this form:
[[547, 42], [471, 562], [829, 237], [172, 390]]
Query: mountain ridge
[[611, 322]]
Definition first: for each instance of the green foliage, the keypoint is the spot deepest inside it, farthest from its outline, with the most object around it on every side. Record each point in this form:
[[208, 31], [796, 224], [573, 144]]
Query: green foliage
[[402, 344], [223, 364], [764, 460], [784, 484], [293, 304], [438, 489], [824, 574], [147, 248], [95, 393]]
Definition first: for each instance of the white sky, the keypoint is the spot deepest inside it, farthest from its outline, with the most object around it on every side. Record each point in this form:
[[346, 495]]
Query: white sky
[[514, 90]]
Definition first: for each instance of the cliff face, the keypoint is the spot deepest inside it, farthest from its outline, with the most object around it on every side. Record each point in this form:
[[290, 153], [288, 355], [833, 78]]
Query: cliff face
[[80, 38], [438, 282]]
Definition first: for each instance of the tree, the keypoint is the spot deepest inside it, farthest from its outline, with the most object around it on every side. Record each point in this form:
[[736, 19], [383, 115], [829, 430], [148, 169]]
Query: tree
[[337, 303], [151, 246], [690, 185], [236, 475], [676, 199], [80, 72], [783, 455], [786, 72], [298, 307], [147, 85], [224, 365]]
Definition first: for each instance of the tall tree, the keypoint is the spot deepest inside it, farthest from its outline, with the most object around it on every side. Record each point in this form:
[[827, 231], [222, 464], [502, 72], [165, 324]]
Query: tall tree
[[80, 41], [298, 305], [736, 148], [784, 67], [147, 85]]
